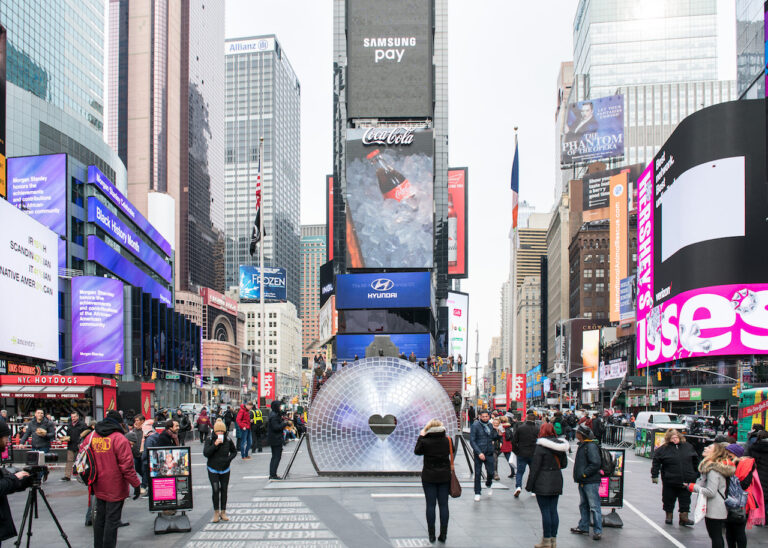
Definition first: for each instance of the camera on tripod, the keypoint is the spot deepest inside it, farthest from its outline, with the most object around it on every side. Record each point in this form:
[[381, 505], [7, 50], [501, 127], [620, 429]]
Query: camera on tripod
[[36, 464]]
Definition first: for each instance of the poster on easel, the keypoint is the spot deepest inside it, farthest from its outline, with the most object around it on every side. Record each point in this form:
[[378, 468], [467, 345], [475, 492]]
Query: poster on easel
[[170, 478], [612, 487]]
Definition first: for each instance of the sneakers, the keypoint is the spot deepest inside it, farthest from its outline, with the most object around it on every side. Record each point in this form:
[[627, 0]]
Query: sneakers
[[517, 492], [477, 498], [65, 478], [595, 536], [577, 531], [490, 491]]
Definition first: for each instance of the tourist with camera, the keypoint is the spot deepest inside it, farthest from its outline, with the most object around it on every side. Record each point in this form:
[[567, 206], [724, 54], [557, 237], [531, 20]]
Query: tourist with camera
[[9, 483], [40, 432]]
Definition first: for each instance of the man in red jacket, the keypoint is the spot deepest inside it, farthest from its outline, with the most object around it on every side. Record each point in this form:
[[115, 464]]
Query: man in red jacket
[[243, 421], [114, 471]]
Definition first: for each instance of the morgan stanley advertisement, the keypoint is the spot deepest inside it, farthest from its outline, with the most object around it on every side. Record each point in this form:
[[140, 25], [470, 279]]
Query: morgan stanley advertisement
[[702, 287], [97, 325], [594, 130]]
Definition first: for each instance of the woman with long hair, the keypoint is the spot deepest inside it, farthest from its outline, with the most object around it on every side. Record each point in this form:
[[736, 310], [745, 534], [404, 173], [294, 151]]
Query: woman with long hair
[[716, 472], [677, 460], [435, 474], [545, 480]]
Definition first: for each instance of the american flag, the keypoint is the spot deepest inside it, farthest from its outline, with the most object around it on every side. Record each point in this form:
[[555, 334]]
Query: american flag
[[256, 233], [515, 186]]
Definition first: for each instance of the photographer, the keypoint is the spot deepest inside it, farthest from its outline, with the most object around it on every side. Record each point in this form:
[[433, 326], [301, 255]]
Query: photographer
[[9, 483], [39, 431]]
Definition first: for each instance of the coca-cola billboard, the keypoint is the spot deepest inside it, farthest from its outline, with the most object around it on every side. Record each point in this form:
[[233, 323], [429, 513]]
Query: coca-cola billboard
[[389, 58], [390, 179]]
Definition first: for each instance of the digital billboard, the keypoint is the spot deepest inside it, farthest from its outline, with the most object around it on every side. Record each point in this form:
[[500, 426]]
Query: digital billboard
[[458, 222], [274, 283], [384, 290], [702, 271], [29, 325], [618, 231], [616, 368], [627, 294], [594, 130], [366, 346], [596, 191], [97, 325], [590, 348], [170, 478], [38, 185], [3, 47], [389, 59], [458, 324], [327, 281], [390, 179], [328, 320]]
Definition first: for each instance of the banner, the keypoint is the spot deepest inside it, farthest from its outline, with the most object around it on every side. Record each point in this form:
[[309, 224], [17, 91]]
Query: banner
[[614, 369], [627, 294], [384, 290], [618, 228], [458, 222], [97, 325], [274, 283], [590, 351], [594, 130], [170, 478], [38, 185], [268, 386]]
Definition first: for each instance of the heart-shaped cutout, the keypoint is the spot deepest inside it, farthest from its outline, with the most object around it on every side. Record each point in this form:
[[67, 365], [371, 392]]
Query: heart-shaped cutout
[[382, 426]]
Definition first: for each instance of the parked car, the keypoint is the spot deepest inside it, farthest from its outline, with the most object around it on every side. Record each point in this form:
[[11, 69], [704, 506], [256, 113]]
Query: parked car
[[191, 408], [658, 420]]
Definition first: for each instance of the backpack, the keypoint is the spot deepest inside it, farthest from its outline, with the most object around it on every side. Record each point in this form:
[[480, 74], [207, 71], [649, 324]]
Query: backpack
[[607, 464], [85, 465], [737, 497]]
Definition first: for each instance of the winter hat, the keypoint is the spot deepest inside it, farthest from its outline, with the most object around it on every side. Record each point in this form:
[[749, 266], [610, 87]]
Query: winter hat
[[114, 416], [735, 449], [4, 430], [585, 431], [219, 426]]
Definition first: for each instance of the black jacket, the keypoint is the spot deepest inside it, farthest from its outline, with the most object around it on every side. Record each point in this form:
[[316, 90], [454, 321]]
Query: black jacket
[[164, 439], [598, 427], [524, 439], [275, 425], [471, 414], [678, 463], [183, 420], [549, 458], [219, 456], [9, 483], [586, 465], [74, 431], [759, 452], [437, 461]]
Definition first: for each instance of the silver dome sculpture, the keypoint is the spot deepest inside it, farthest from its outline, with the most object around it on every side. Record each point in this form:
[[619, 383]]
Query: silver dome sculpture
[[367, 417]]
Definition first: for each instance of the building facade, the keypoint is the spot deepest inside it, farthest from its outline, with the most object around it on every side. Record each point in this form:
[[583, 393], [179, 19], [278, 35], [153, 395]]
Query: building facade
[[263, 98], [528, 323], [313, 253], [750, 48]]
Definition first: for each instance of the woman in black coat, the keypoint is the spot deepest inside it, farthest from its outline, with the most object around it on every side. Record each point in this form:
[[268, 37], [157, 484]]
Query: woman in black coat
[[436, 474], [678, 462], [546, 480], [219, 449]]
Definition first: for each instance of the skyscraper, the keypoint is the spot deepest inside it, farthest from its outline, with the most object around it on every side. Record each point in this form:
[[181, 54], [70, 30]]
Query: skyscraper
[[750, 48], [166, 99], [313, 252], [263, 97]]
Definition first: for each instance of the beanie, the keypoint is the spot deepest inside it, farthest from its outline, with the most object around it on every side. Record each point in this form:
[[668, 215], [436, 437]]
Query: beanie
[[220, 426]]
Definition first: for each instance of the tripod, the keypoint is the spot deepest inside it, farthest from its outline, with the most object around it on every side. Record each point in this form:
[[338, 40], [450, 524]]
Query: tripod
[[32, 507]]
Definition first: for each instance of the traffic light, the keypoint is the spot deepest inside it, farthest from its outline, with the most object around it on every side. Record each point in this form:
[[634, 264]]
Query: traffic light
[[735, 391], [154, 375], [503, 375], [117, 368], [228, 371], [469, 379], [658, 375]]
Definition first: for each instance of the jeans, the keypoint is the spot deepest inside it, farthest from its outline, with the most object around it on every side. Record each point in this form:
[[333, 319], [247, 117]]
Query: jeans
[[182, 437], [219, 485], [488, 462], [674, 492], [203, 436], [256, 438], [549, 518], [589, 494], [106, 519], [139, 471], [436, 493], [522, 464], [245, 441], [274, 462], [715, 531], [735, 534]]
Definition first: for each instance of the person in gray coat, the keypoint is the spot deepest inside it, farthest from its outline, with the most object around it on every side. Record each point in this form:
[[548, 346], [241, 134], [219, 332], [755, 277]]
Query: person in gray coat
[[716, 472]]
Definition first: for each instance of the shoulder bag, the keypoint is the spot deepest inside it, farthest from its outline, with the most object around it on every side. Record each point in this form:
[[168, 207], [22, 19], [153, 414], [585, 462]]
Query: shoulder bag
[[455, 488]]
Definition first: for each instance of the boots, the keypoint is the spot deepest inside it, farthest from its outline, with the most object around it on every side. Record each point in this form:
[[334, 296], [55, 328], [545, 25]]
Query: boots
[[553, 542], [431, 531], [224, 516], [443, 533], [546, 542], [216, 516], [668, 519], [685, 521]]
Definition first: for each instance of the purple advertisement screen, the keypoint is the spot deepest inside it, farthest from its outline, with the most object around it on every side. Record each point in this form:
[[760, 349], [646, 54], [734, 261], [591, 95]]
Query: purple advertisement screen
[[97, 325], [38, 184]]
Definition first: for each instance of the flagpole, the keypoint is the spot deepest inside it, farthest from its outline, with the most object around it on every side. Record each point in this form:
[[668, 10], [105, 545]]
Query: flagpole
[[261, 272], [513, 278]]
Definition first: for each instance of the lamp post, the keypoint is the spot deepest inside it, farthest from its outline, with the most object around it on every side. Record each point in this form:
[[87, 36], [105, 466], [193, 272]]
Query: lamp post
[[477, 362]]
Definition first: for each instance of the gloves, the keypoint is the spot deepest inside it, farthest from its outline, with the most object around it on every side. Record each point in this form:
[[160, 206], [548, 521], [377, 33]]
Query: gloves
[[655, 480], [136, 492]]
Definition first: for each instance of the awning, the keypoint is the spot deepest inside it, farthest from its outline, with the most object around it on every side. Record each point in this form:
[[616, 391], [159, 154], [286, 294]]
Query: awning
[[42, 392]]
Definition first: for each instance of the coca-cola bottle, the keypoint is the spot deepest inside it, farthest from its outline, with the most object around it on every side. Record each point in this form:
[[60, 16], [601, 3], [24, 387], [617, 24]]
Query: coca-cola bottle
[[392, 183], [453, 234]]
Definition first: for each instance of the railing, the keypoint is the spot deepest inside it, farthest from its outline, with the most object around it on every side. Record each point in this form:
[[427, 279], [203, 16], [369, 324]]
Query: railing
[[614, 436]]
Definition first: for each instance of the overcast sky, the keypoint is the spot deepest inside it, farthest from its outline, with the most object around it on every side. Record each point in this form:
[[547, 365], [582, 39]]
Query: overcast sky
[[504, 58]]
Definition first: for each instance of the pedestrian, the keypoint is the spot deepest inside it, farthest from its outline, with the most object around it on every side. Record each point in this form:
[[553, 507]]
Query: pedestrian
[[114, 464], [523, 445], [136, 438], [161, 416], [506, 443], [716, 472], [481, 438], [545, 480], [40, 431], [435, 446], [759, 452], [496, 422], [9, 483], [459, 363], [3, 416], [678, 462], [456, 401], [275, 428], [257, 427], [169, 436], [244, 429], [471, 414], [559, 424], [74, 429], [220, 450], [572, 421], [184, 425], [203, 424], [229, 418], [586, 473], [598, 427], [753, 512], [752, 436]]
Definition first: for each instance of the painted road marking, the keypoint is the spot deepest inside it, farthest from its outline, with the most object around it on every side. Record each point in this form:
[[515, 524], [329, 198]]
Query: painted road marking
[[666, 535], [397, 495]]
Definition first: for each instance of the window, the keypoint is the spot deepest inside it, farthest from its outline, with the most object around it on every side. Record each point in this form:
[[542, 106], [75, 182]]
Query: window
[[588, 258], [588, 273], [600, 287], [587, 288], [600, 273]]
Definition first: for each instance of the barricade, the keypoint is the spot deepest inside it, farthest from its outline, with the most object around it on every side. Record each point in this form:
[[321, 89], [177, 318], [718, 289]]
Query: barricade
[[614, 436]]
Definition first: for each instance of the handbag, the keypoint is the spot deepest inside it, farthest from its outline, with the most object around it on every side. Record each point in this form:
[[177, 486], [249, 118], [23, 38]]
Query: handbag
[[455, 488], [513, 460]]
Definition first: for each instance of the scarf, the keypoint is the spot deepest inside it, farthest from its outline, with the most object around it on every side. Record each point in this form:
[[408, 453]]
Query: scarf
[[755, 503]]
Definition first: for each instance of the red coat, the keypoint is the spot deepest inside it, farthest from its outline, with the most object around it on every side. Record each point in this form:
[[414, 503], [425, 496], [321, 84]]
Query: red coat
[[243, 419], [506, 446], [114, 463]]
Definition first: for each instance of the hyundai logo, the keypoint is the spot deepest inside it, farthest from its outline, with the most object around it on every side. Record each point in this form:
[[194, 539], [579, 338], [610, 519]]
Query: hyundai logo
[[382, 284]]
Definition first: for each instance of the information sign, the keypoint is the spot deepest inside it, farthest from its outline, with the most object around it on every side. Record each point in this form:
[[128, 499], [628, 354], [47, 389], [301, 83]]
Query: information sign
[[612, 487], [170, 478]]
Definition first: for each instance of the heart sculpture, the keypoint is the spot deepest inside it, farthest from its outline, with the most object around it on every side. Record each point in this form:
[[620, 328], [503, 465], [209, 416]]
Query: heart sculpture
[[382, 426]]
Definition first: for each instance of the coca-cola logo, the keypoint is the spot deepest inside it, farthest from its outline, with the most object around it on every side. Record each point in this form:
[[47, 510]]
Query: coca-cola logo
[[388, 136]]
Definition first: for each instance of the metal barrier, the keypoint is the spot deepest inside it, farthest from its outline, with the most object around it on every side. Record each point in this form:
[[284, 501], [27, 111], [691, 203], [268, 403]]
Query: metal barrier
[[614, 436]]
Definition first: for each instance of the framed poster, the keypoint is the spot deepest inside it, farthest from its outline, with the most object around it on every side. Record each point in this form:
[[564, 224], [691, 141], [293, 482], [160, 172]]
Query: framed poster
[[612, 487], [170, 478]]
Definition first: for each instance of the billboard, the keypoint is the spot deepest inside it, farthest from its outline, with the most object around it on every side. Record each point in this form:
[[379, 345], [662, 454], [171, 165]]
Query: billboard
[[390, 179], [617, 230], [594, 130], [627, 294], [217, 300], [590, 348], [616, 368], [458, 222], [702, 272], [329, 216], [29, 282], [274, 283], [38, 185], [458, 324], [389, 59], [365, 346], [596, 191], [327, 281], [3, 44], [384, 290], [97, 325], [328, 320], [268, 386]]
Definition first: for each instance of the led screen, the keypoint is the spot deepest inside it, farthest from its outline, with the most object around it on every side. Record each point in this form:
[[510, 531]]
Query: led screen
[[364, 346], [97, 325], [458, 316], [274, 283], [38, 185], [383, 290], [458, 222]]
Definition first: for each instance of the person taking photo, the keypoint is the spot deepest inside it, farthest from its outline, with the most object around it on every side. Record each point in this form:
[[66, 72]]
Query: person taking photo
[[9, 483]]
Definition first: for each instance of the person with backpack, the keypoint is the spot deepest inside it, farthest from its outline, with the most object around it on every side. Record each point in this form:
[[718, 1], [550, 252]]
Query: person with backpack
[[586, 473], [716, 472], [523, 445], [677, 461], [751, 511], [759, 452], [545, 480], [257, 428]]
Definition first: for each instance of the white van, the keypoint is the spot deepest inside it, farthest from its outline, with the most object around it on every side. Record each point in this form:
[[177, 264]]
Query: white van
[[193, 408], [658, 420]]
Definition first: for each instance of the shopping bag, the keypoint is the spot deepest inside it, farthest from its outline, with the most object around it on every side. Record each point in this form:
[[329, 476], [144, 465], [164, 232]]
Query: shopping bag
[[513, 461], [699, 508]]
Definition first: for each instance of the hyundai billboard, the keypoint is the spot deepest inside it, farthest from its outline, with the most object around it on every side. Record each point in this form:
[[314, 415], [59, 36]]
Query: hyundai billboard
[[594, 130], [458, 324], [384, 290], [97, 325], [274, 283], [702, 269], [390, 179], [365, 346], [38, 185]]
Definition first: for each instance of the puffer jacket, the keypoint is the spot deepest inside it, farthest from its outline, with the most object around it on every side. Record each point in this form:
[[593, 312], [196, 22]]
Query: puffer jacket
[[437, 455], [524, 439], [275, 425], [678, 463], [549, 458], [714, 486]]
